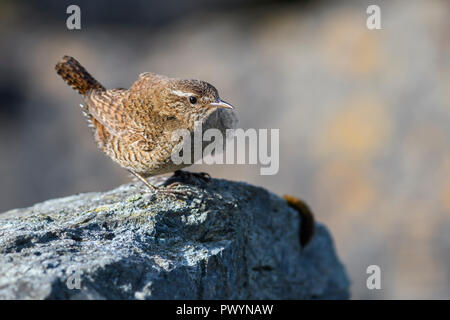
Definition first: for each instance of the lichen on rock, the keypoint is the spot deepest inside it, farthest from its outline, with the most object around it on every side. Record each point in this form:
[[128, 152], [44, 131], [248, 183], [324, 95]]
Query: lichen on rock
[[225, 240]]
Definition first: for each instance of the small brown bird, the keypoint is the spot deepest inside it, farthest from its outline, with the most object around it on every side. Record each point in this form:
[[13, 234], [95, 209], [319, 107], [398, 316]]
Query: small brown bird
[[134, 126]]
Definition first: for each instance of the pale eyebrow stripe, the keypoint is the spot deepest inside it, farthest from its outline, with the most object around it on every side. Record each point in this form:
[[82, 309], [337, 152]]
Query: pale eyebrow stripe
[[182, 94]]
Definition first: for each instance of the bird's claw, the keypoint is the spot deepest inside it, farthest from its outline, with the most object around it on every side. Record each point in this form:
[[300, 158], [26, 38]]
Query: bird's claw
[[169, 190]]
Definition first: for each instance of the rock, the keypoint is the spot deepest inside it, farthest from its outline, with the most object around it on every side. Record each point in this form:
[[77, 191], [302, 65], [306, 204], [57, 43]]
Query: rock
[[226, 240]]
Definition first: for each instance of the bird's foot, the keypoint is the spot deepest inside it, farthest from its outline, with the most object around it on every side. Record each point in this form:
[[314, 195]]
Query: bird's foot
[[169, 190]]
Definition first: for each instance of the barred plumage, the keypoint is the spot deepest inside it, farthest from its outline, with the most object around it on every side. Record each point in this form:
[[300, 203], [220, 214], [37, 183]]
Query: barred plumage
[[134, 126]]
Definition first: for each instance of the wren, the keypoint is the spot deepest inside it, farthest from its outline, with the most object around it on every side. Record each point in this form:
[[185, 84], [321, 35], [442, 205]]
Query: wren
[[134, 126]]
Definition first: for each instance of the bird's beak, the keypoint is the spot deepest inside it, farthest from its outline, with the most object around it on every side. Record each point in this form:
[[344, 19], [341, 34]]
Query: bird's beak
[[221, 104]]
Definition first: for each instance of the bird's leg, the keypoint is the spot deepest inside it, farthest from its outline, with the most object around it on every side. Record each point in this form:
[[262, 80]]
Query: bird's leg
[[141, 177], [154, 188]]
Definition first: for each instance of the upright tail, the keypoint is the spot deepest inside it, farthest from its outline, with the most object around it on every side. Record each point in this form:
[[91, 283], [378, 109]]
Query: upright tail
[[307, 226], [76, 76]]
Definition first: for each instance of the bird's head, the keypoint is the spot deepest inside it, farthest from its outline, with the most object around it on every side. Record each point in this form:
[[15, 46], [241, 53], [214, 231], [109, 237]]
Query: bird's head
[[195, 97]]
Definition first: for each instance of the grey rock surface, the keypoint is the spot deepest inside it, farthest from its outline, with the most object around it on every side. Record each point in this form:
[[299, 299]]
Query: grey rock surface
[[226, 240]]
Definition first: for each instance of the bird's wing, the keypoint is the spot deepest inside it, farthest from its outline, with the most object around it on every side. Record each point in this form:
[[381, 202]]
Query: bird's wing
[[111, 110]]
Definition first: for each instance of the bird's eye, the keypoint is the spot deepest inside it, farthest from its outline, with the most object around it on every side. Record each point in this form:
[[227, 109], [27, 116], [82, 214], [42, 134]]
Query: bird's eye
[[192, 99]]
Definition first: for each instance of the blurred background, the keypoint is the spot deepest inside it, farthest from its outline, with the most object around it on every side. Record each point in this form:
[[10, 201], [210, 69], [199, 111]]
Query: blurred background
[[364, 116]]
